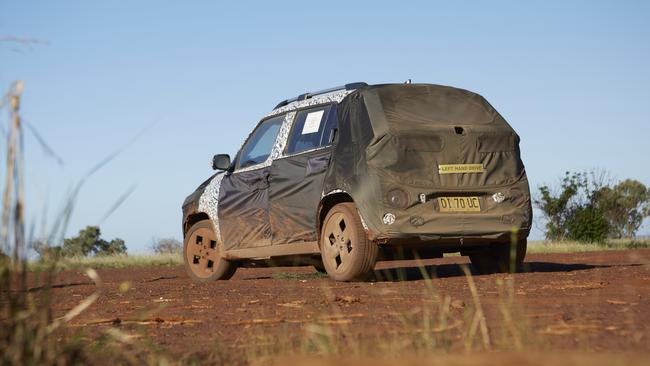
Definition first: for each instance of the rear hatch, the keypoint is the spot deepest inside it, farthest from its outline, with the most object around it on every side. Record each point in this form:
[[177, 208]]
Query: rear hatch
[[441, 138]]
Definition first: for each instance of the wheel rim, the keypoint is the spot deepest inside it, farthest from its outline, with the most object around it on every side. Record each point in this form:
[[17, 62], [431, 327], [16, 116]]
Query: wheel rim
[[201, 252], [339, 242]]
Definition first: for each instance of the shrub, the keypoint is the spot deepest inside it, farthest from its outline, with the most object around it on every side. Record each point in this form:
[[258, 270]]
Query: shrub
[[571, 213], [115, 246], [167, 246], [587, 224]]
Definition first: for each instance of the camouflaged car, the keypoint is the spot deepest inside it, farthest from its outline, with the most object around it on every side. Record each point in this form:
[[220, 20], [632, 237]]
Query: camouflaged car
[[344, 177]]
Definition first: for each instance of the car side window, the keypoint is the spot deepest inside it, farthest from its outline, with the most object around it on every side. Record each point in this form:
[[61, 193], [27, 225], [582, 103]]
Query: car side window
[[312, 128], [258, 147]]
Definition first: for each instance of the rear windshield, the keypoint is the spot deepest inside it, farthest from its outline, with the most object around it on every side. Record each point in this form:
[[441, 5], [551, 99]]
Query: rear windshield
[[434, 104]]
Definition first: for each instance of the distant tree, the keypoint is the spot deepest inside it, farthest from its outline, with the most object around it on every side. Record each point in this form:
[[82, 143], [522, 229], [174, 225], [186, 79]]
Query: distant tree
[[89, 242], [625, 206], [83, 244], [115, 246], [573, 213], [167, 246]]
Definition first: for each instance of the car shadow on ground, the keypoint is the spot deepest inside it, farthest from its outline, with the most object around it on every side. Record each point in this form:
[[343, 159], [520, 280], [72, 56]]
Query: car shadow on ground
[[454, 270]]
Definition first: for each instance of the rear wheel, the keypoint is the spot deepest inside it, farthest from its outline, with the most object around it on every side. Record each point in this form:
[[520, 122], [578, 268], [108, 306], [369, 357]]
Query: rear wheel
[[320, 268], [202, 254], [346, 251], [500, 258]]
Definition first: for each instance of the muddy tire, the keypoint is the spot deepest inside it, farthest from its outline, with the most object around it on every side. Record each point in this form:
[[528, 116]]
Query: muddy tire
[[347, 253], [201, 254], [500, 258]]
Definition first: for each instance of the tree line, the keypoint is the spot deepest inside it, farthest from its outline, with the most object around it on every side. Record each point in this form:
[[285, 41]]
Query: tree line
[[87, 242], [90, 243]]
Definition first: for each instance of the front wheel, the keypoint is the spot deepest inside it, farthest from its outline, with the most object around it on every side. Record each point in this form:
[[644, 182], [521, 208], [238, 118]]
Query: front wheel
[[346, 251], [500, 257], [201, 253]]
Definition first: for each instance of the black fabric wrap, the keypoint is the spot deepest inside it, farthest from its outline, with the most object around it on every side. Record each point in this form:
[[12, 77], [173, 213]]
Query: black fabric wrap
[[296, 187], [243, 209], [397, 135]]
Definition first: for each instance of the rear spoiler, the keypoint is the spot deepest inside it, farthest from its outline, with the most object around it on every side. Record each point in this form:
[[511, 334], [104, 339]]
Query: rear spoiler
[[351, 86]]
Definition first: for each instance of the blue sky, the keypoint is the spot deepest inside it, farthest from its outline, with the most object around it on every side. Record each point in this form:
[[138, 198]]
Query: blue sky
[[572, 77]]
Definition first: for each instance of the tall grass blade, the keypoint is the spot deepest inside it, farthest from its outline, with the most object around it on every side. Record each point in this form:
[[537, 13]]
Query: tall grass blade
[[44, 145], [479, 316], [118, 203]]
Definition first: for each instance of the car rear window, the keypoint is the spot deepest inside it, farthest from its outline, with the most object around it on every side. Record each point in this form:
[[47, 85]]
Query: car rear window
[[312, 128]]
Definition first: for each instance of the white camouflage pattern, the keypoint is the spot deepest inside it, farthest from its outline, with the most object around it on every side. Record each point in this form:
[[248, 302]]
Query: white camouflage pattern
[[209, 202], [333, 97]]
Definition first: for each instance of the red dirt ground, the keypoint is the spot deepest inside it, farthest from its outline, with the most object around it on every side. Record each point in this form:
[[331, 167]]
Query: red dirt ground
[[596, 301]]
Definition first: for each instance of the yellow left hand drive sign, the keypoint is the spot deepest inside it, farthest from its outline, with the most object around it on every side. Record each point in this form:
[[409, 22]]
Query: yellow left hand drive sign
[[460, 168]]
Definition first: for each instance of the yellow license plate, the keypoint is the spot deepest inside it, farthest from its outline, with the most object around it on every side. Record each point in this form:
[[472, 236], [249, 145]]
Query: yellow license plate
[[459, 204]]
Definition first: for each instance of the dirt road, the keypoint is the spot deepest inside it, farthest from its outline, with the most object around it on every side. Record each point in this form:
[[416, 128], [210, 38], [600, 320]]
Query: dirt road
[[584, 301]]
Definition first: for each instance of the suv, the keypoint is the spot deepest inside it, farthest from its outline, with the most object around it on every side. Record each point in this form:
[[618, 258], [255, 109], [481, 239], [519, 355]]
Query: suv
[[345, 176]]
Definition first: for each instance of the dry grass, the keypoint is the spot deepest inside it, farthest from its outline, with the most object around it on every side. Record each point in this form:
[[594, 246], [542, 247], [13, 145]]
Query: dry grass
[[147, 260], [30, 334], [577, 247], [475, 359], [113, 261]]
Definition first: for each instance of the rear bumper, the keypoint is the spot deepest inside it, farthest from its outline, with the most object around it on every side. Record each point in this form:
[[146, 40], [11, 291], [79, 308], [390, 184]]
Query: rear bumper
[[449, 243], [441, 226], [510, 214]]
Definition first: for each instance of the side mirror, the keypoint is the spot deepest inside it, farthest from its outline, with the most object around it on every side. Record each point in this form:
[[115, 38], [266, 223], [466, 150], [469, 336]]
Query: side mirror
[[221, 162]]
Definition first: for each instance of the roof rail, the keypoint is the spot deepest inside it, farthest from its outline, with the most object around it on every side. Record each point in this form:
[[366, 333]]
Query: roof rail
[[350, 86]]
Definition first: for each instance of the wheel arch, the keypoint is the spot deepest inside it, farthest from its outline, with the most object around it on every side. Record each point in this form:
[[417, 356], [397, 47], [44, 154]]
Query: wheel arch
[[326, 204], [192, 219]]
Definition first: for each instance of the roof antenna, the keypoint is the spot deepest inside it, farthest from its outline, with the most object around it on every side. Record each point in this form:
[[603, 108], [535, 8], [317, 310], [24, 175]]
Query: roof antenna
[[408, 81]]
